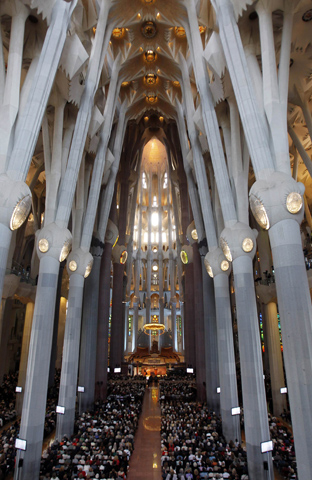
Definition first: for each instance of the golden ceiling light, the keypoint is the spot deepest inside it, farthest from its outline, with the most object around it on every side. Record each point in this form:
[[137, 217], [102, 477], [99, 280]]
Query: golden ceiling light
[[118, 33], [202, 29], [179, 32], [307, 16], [139, 15], [148, 328], [158, 15], [149, 29], [151, 99], [150, 56], [148, 2], [146, 119], [125, 84], [150, 79], [161, 119], [175, 83]]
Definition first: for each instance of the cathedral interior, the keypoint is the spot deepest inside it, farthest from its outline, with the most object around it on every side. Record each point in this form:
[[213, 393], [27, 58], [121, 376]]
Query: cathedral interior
[[155, 207]]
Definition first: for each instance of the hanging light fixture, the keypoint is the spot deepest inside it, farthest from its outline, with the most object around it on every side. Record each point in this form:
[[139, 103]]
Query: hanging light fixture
[[154, 326]]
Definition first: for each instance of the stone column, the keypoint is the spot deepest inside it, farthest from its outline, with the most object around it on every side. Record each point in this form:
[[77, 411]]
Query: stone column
[[10, 101], [211, 344], [149, 253], [234, 240], [136, 301], [275, 358], [102, 329], [117, 329], [24, 356], [6, 307], [160, 253], [69, 373], [217, 266], [88, 344], [189, 332], [33, 412], [199, 325], [173, 298], [61, 332], [137, 272], [119, 281], [32, 115], [55, 326]]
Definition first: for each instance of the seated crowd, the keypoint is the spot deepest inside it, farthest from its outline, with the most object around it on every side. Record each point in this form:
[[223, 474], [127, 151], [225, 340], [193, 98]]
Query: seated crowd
[[9, 434], [191, 436], [193, 446], [177, 387], [103, 440], [7, 398]]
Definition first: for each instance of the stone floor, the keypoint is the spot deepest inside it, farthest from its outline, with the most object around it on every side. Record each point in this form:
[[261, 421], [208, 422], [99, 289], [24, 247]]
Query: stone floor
[[145, 460]]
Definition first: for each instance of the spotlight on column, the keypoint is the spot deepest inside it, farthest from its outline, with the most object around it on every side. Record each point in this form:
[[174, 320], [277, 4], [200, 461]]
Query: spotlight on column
[[191, 233], [208, 268], [259, 212], [247, 245], [18, 389], [120, 254], [283, 390], [218, 389], [226, 249], [59, 409], [43, 245], [266, 446], [294, 202], [225, 265], [20, 212], [72, 266], [65, 250], [186, 254], [235, 411], [88, 269], [20, 444], [81, 389]]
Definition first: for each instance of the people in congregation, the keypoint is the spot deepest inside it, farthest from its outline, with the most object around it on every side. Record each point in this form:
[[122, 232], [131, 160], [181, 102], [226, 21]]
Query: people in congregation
[[193, 447], [7, 398], [104, 438], [192, 444], [178, 388]]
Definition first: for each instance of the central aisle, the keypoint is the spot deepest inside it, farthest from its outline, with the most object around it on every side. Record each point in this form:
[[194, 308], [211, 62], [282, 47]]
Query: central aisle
[[145, 460]]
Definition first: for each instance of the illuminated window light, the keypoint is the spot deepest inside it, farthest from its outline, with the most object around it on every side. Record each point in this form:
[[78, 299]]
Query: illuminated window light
[[179, 32], [118, 33], [150, 56]]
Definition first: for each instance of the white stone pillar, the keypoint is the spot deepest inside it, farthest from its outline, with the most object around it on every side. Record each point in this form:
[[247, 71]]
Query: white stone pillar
[[215, 264], [254, 399], [275, 358], [68, 382], [9, 107], [61, 332], [33, 412], [24, 356]]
